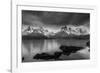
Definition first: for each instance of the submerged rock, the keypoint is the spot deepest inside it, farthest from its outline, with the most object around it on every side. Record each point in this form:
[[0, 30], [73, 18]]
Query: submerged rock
[[67, 50], [46, 56], [88, 44], [23, 58]]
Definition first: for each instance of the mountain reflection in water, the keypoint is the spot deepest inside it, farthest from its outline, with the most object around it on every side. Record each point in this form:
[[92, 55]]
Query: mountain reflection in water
[[38, 46]]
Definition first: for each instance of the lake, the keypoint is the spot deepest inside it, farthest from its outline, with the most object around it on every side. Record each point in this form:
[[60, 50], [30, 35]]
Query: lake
[[31, 47]]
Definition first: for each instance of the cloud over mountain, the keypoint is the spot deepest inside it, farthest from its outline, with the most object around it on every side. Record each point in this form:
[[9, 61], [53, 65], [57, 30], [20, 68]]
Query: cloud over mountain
[[48, 18]]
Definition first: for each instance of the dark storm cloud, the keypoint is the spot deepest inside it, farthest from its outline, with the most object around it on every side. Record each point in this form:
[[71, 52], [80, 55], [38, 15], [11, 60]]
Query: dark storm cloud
[[30, 17], [54, 18]]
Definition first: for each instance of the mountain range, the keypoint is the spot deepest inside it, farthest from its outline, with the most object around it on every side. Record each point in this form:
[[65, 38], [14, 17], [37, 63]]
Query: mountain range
[[30, 32]]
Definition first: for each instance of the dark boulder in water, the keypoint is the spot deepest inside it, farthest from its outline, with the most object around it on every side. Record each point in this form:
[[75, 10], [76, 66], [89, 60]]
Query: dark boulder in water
[[67, 50], [23, 58], [88, 44], [57, 55], [46, 56]]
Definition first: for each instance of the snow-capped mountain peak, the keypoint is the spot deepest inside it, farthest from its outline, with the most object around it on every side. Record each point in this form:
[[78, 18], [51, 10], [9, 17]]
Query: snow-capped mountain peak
[[76, 30]]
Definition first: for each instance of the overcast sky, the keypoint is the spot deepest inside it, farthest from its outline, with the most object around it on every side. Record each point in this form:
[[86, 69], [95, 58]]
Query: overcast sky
[[53, 20]]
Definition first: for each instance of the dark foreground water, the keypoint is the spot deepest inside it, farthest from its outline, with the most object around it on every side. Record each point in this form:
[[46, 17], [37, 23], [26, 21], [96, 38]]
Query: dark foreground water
[[37, 46]]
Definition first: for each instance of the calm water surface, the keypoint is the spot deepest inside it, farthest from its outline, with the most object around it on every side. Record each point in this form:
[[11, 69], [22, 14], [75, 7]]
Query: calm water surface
[[31, 47]]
